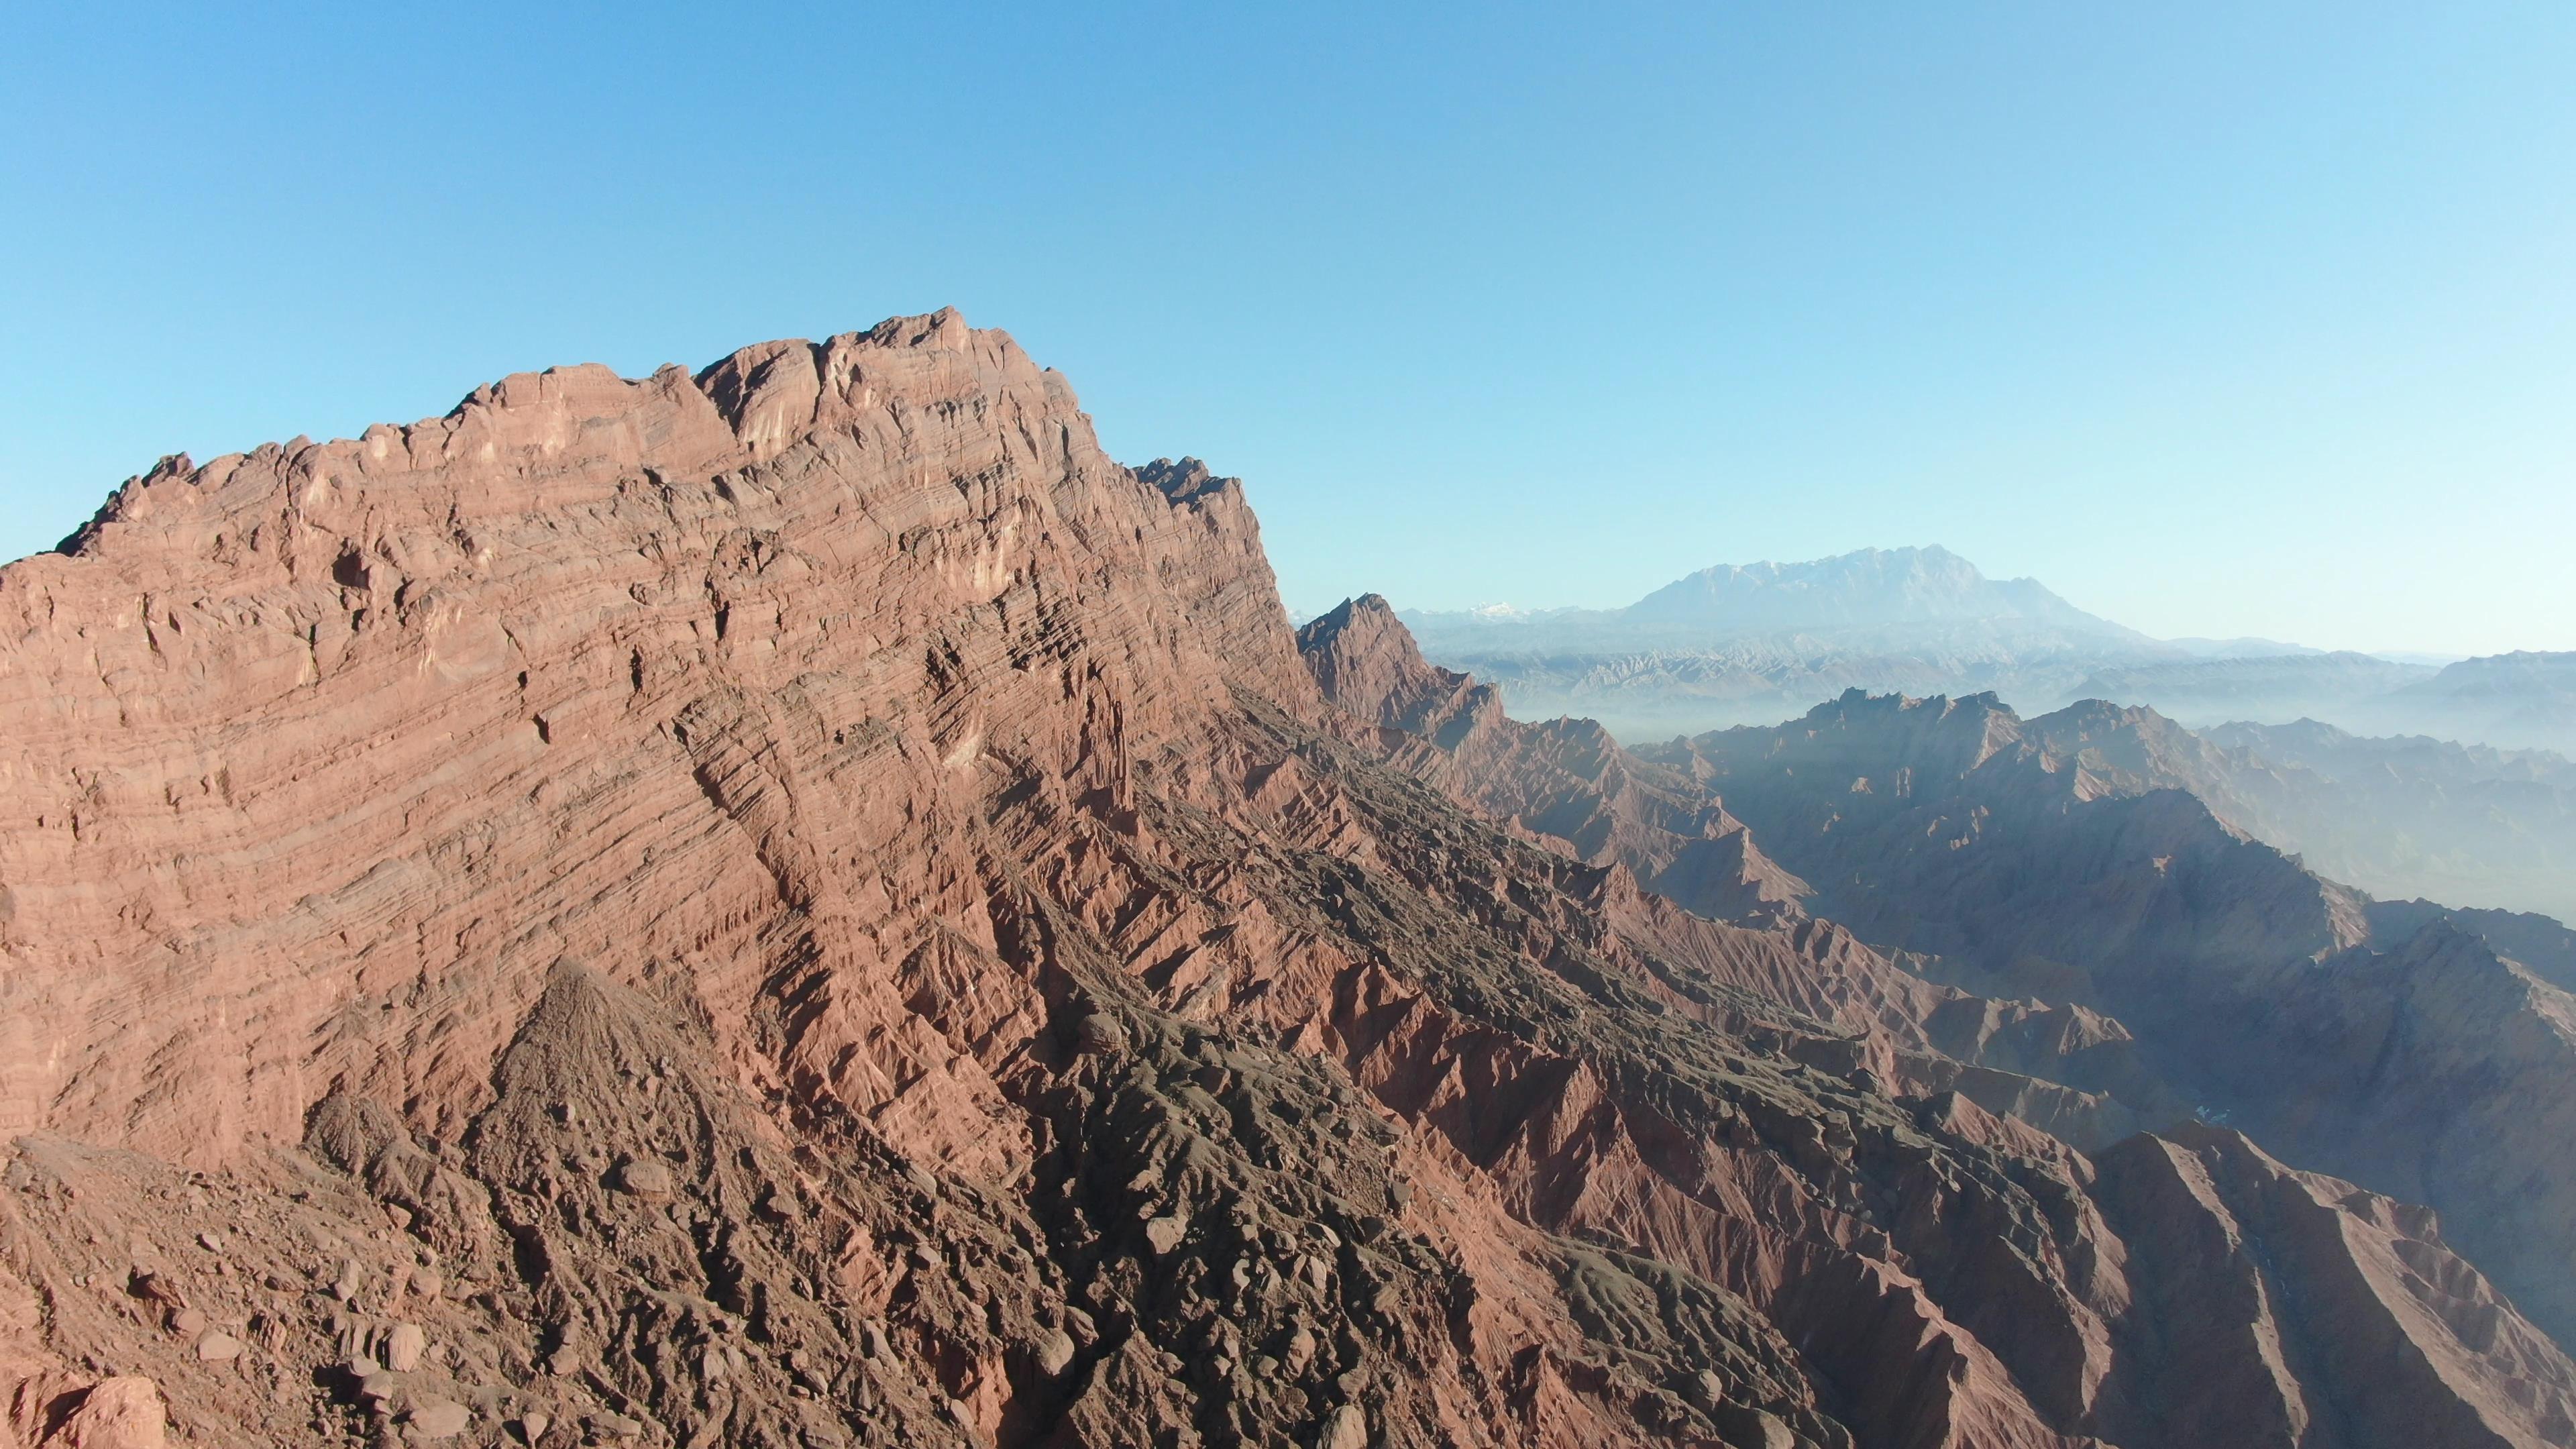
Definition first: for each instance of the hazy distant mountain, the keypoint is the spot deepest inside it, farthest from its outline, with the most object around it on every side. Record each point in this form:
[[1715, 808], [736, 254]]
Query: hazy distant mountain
[[1874, 587], [2342, 756], [2250, 647], [1871, 589], [2513, 701], [2278, 687], [2525, 698], [2410, 816], [1757, 643]]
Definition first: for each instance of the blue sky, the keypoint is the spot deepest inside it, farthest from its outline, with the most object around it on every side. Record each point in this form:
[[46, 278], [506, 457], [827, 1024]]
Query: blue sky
[[2218, 319]]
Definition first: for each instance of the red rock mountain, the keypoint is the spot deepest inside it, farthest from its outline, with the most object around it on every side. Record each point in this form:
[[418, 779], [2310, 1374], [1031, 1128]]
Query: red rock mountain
[[805, 905]]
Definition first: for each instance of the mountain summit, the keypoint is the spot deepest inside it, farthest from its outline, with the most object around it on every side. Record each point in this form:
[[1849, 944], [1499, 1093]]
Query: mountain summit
[[1870, 587]]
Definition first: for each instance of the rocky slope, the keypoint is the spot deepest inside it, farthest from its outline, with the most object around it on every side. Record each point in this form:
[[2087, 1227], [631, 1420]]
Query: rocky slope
[[804, 905]]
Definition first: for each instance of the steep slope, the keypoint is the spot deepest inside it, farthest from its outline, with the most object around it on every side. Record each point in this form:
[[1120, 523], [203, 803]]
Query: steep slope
[[805, 905], [1565, 779], [2043, 858]]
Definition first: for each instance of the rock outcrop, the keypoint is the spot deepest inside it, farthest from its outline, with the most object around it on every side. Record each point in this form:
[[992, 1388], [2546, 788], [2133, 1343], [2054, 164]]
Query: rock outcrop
[[804, 905]]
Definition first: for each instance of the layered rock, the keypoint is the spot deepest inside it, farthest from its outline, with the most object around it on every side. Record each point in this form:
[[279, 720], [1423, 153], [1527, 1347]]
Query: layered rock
[[804, 904]]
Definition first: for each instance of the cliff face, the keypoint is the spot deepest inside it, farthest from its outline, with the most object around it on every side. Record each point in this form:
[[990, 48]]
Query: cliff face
[[806, 905], [321, 755]]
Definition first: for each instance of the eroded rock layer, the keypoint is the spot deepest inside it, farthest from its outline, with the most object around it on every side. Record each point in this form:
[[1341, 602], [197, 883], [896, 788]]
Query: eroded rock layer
[[804, 905]]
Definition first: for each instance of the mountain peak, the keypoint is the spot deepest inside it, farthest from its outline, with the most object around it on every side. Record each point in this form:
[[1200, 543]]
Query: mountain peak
[[1871, 587], [1365, 660]]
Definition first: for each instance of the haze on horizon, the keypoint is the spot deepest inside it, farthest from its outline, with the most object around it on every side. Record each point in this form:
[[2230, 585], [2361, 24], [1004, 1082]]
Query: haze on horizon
[[2215, 322], [1503, 610]]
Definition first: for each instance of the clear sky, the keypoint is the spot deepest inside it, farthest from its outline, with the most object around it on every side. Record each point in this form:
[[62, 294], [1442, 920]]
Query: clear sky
[[2218, 319]]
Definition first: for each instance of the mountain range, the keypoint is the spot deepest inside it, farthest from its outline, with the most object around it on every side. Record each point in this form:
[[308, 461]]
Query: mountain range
[[803, 904], [1760, 643], [2407, 815]]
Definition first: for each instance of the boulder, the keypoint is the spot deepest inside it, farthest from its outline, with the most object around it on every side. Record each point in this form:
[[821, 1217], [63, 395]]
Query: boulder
[[404, 1347], [1346, 1428], [438, 1419], [646, 1180], [118, 1413], [1099, 1033]]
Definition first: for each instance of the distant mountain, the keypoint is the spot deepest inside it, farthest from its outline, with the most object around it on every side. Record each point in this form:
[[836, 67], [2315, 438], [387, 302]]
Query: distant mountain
[[1757, 643], [2410, 815], [1871, 588], [2346, 758], [2512, 701], [2399, 817], [2278, 687], [2247, 647], [2525, 698], [2519, 679]]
